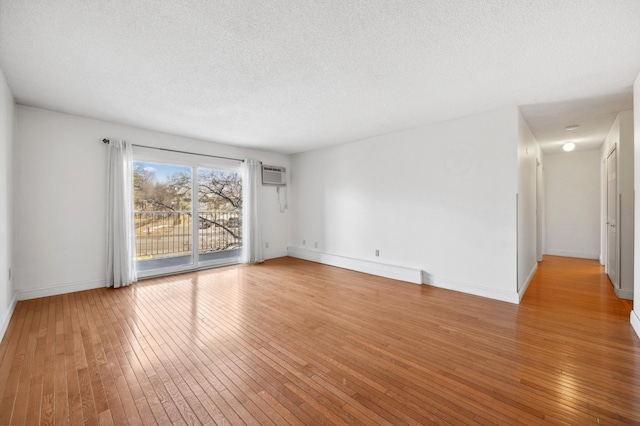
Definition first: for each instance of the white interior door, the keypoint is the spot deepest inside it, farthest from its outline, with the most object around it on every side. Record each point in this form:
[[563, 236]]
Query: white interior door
[[612, 214]]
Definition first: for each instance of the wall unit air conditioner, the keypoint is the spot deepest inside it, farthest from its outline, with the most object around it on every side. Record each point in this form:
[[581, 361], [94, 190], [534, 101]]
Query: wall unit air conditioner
[[274, 175]]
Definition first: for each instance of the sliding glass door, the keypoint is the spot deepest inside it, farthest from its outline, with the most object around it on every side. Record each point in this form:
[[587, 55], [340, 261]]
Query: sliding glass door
[[168, 238], [219, 215]]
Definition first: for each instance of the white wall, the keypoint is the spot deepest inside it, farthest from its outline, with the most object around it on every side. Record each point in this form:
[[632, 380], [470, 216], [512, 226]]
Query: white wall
[[621, 135], [440, 198], [60, 201], [528, 153], [7, 123], [635, 314], [572, 190]]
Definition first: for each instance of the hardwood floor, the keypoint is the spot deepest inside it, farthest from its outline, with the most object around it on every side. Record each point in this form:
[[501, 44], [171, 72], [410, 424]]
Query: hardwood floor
[[294, 342]]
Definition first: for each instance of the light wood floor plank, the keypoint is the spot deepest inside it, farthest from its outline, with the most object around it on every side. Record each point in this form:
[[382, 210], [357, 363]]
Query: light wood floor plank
[[294, 342]]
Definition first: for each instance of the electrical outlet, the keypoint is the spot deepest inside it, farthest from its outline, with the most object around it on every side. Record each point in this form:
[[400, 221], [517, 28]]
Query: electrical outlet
[[316, 245], [266, 245], [377, 252]]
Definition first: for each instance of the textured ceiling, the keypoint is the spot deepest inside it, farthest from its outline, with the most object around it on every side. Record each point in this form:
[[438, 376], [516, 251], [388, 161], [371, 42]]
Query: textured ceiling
[[294, 75]]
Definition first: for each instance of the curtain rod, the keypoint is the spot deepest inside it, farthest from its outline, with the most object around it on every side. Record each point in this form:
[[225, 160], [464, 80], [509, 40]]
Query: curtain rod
[[105, 140]]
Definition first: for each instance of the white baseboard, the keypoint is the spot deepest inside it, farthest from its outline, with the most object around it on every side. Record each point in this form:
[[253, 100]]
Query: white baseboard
[[7, 316], [624, 294], [59, 289], [275, 255], [580, 255], [476, 290], [401, 273], [635, 322], [394, 272], [525, 286]]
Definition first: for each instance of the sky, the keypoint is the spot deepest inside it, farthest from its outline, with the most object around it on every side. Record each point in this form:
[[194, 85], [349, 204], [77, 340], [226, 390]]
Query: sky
[[163, 171]]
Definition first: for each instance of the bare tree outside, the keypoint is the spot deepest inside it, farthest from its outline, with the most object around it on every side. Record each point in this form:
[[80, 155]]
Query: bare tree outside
[[221, 191], [154, 194]]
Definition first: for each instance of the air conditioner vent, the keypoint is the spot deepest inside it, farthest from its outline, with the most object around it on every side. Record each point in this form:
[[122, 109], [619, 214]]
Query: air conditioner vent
[[274, 175]]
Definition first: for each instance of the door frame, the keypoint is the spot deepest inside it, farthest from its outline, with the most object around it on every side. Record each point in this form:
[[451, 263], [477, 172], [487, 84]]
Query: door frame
[[539, 210], [195, 161], [605, 219]]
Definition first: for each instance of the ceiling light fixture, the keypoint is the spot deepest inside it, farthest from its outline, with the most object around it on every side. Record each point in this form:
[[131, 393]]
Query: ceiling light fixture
[[569, 146], [571, 127]]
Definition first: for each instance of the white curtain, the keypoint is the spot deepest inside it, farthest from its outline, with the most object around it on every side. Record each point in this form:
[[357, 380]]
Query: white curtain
[[251, 228], [121, 238]]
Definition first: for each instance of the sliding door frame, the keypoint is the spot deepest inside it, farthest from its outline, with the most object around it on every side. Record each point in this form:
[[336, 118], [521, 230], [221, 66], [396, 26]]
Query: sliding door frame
[[195, 162]]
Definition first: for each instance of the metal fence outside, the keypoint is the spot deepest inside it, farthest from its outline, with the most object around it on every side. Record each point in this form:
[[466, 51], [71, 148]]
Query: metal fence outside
[[169, 233]]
